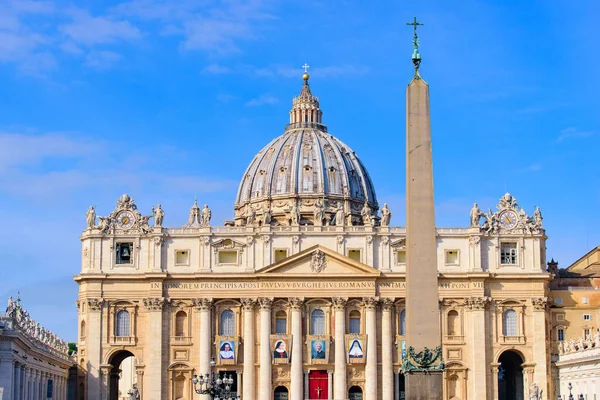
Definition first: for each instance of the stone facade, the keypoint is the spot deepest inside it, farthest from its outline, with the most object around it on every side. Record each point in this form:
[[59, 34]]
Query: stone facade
[[575, 327], [34, 363], [173, 298]]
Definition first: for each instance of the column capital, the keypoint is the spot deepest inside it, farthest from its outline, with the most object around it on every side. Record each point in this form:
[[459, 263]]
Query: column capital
[[477, 303], [539, 303], [339, 302], [387, 303], [295, 303], [248, 304], [202, 303], [370, 303], [155, 303], [495, 367], [265, 303], [95, 304]]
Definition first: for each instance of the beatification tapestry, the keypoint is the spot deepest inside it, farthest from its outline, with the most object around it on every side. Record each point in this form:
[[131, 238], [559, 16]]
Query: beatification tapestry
[[356, 348], [227, 349], [318, 348], [281, 348]]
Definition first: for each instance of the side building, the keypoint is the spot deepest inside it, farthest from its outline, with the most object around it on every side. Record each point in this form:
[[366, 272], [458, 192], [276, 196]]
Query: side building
[[575, 323], [34, 362], [302, 294]]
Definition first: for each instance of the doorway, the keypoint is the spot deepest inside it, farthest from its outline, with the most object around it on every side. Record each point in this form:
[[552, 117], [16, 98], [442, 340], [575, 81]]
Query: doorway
[[355, 393], [317, 385], [122, 374], [510, 376], [281, 393]]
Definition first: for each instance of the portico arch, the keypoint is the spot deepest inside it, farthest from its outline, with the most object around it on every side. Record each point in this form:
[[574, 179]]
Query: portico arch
[[115, 360], [510, 376]]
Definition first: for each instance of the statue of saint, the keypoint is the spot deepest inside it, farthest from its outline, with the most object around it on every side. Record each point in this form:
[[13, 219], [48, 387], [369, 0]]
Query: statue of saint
[[10, 305], [250, 215], [206, 215], [476, 215], [537, 217], [90, 218], [295, 214], [267, 216], [159, 215], [340, 215], [319, 213], [597, 339], [386, 215], [534, 392], [366, 214]]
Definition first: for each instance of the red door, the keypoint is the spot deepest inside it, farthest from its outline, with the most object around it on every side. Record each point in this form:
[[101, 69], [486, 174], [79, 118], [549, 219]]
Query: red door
[[317, 385]]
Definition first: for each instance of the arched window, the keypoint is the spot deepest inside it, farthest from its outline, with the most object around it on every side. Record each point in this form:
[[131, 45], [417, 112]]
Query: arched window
[[510, 323], [453, 323], [123, 323], [317, 322], [354, 322], [82, 330], [180, 323], [227, 323], [281, 322], [402, 322]]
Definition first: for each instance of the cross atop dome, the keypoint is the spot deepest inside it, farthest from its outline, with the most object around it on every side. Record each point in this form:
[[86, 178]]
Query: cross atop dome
[[306, 76]]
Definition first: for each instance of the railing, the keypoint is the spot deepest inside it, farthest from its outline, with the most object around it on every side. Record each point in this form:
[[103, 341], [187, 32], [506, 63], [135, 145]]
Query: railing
[[122, 340], [181, 340], [308, 228], [454, 338], [512, 339]]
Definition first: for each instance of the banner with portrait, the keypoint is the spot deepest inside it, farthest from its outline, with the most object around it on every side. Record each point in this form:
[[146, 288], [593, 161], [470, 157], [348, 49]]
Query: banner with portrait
[[227, 349], [281, 348], [356, 348], [318, 349]]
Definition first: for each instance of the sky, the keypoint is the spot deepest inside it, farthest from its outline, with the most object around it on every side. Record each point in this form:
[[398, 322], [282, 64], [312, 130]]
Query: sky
[[168, 100]]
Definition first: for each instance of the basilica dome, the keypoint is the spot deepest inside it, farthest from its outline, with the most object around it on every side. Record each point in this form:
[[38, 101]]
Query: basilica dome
[[305, 171]]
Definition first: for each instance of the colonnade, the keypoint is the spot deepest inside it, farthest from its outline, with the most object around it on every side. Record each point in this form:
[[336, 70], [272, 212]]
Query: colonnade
[[31, 383], [298, 377]]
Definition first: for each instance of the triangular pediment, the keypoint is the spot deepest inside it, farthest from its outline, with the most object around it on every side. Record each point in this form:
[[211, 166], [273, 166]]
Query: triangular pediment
[[321, 261]]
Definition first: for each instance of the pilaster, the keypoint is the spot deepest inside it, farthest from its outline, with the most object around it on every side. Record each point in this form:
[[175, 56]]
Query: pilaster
[[204, 307], [339, 307], [249, 383], [386, 349], [370, 307], [477, 306], [93, 341], [154, 352], [296, 378], [265, 348]]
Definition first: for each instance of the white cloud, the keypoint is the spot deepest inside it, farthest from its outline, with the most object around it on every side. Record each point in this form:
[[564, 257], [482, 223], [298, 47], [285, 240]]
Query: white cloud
[[263, 99], [327, 71], [101, 59], [573, 133], [217, 69], [88, 30]]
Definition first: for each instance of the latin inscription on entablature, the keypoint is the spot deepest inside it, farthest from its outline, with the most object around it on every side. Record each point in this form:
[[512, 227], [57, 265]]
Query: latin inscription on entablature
[[323, 284]]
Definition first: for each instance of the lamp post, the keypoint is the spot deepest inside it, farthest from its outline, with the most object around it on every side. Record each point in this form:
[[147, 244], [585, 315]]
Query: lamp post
[[213, 385]]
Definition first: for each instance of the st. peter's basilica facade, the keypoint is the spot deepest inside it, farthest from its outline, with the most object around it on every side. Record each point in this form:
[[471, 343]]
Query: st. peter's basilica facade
[[301, 295]]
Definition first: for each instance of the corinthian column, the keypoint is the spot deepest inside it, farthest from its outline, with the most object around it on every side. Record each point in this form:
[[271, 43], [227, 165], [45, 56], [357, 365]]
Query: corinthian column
[[370, 306], [265, 348], [387, 373], [479, 344], [339, 376], [204, 306], [249, 382], [295, 304]]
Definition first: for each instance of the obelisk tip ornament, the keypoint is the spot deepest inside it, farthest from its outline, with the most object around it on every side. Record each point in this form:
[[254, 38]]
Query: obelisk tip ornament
[[422, 363]]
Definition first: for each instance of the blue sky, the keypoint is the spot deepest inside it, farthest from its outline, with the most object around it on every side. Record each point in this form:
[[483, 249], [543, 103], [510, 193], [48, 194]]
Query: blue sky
[[169, 100]]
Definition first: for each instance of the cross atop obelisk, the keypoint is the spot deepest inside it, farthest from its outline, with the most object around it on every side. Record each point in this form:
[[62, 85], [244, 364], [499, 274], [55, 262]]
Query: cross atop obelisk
[[423, 365], [416, 56]]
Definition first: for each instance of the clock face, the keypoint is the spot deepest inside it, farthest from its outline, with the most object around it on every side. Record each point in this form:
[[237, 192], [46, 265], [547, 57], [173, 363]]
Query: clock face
[[125, 219], [508, 219]]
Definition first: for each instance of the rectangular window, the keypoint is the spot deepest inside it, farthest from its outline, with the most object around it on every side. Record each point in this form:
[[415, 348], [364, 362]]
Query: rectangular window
[[124, 253], [587, 317], [561, 334], [182, 257], [401, 257], [451, 257], [228, 257], [584, 300], [280, 254], [508, 254], [354, 254], [281, 326]]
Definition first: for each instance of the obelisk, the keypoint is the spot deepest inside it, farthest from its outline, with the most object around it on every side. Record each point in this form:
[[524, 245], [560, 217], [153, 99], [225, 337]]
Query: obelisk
[[423, 372]]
